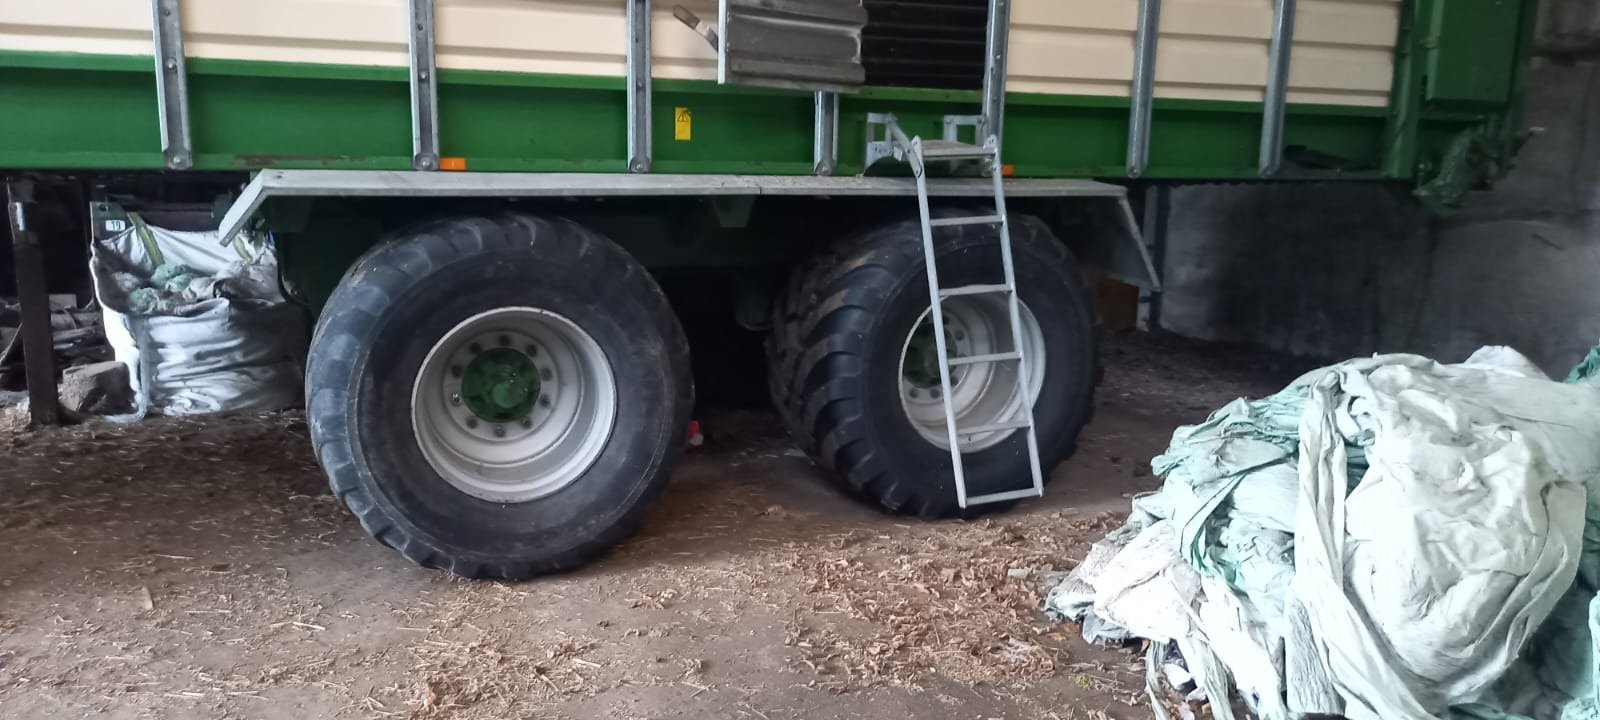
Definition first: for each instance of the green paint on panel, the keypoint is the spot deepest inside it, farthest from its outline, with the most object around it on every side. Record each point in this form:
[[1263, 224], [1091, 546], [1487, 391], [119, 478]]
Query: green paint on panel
[[98, 112], [1472, 50]]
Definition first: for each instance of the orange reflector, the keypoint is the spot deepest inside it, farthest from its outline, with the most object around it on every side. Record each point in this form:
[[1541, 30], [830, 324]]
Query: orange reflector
[[1008, 170], [457, 164]]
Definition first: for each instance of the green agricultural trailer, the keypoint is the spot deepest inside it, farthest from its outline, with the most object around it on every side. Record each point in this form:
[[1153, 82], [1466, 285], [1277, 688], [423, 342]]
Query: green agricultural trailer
[[478, 201]]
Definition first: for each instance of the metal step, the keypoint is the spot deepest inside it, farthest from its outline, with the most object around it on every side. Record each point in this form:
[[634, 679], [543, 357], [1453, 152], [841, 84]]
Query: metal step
[[994, 427], [978, 359], [1002, 497], [974, 290], [969, 220], [951, 150]]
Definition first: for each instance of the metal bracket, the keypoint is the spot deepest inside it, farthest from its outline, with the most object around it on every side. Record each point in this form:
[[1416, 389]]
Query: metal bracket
[[172, 85], [639, 100], [880, 146], [1144, 84], [825, 134], [19, 195], [994, 68], [424, 88], [954, 123], [1277, 88]]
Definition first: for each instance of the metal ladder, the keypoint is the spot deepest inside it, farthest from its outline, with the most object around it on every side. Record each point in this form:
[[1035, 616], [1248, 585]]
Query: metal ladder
[[919, 153]]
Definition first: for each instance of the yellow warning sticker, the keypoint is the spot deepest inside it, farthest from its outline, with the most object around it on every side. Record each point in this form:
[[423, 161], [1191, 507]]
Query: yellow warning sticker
[[682, 124]]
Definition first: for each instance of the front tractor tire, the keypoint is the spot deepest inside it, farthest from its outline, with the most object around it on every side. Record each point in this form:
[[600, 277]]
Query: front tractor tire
[[500, 396], [853, 371]]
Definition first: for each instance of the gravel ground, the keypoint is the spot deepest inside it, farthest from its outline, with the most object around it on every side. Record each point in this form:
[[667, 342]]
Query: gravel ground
[[199, 569]]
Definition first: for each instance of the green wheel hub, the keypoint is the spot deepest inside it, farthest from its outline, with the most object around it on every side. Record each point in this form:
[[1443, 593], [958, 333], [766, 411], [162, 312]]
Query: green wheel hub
[[500, 385], [921, 366]]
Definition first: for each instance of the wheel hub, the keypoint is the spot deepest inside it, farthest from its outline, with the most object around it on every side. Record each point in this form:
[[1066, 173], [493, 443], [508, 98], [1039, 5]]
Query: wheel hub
[[500, 385], [980, 394], [514, 404]]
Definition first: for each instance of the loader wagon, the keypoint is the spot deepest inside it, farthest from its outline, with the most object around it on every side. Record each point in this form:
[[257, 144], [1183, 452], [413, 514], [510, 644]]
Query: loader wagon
[[476, 200]]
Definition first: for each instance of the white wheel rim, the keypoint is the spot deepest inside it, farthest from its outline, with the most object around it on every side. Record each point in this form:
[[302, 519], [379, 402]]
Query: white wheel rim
[[983, 393], [537, 452]]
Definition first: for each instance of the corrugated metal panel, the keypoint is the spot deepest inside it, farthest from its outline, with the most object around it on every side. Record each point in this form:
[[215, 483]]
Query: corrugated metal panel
[[925, 43]]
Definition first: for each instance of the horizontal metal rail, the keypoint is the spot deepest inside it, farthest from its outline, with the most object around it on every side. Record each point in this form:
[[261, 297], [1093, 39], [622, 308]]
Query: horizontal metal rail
[[397, 183]]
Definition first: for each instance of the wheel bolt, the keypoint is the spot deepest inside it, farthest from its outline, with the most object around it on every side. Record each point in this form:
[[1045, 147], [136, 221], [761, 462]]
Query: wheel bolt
[[533, 351], [915, 394], [474, 348], [455, 399], [455, 370], [935, 393], [544, 401], [505, 341], [527, 423], [499, 431], [545, 374], [472, 423]]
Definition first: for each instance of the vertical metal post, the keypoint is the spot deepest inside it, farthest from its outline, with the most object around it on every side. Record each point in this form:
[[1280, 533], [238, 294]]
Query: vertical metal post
[[38, 355], [1144, 85], [424, 88], [994, 69], [639, 101], [1157, 211], [1277, 88], [172, 85], [825, 143]]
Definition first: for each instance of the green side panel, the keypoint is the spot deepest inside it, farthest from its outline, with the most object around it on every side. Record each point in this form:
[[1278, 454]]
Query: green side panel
[[99, 112], [1472, 52]]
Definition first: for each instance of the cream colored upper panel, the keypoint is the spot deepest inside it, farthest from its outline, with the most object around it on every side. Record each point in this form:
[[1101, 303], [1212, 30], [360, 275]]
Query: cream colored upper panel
[[580, 37], [1209, 49]]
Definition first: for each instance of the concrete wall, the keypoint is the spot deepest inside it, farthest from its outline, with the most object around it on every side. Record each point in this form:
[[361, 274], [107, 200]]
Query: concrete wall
[[1341, 270]]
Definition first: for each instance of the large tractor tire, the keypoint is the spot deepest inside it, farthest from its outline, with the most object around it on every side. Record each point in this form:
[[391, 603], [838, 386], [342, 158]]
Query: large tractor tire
[[465, 394], [854, 375]]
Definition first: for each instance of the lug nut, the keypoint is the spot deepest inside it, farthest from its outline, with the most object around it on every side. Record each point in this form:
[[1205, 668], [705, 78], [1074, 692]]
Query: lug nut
[[499, 431], [915, 394], [474, 348], [455, 399], [545, 374], [472, 423], [527, 423], [455, 370], [533, 351], [544, 401], [504, 340], [960, 335], [935, 393]]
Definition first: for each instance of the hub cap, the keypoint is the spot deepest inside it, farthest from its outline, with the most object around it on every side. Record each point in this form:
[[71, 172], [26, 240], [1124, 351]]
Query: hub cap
[[981, 394], [513, 404]]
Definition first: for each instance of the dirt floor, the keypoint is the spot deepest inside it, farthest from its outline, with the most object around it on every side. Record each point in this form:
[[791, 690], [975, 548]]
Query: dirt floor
[[199, 569]]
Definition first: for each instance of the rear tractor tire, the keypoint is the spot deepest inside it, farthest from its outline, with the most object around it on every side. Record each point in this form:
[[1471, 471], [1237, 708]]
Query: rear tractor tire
[[465, 393], [854, 374]]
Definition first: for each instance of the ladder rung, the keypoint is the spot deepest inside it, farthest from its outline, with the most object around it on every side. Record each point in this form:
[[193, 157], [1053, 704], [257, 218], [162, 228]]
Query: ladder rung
[[1004, 496], [974, 290], [948, 150], [969, 220], [994, 357], [993, 427]]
